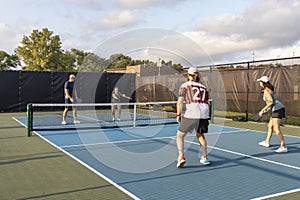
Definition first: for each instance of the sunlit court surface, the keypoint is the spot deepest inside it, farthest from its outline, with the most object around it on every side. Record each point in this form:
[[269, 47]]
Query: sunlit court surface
[[141, 161], [109, 100]]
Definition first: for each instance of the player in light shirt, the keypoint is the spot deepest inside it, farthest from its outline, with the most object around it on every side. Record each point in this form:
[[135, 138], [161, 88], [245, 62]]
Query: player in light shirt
[[195, 96]]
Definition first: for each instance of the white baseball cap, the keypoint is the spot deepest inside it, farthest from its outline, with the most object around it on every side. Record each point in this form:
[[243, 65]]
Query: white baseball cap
[[264, 79], [72, 76], [192, 71]]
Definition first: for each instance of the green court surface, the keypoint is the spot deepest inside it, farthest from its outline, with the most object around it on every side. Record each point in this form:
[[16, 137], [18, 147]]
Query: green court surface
[[33, 169]]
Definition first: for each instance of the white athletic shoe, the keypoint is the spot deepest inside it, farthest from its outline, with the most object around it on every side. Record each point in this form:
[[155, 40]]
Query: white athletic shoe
[[63, 122], [204, 161], [76, 122], [181, 162], [264, 144], [281, 150]]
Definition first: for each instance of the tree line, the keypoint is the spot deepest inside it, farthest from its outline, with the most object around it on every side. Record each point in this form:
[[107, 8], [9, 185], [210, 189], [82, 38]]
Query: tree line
[[42, 51]]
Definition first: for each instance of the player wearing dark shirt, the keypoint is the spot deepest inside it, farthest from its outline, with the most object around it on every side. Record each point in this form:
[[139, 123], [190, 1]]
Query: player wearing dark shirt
[[70, 97]]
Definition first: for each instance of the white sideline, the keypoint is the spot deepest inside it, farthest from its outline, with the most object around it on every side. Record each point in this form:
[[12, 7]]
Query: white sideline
[[248, 156], [277, 194]]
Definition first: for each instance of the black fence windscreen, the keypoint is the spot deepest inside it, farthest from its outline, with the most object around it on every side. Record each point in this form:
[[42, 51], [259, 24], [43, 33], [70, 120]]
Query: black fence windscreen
[[18, 88], [240, 91], [233, 86]]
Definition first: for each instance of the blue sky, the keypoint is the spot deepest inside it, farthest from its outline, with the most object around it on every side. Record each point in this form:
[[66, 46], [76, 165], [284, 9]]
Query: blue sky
[[228, 30]]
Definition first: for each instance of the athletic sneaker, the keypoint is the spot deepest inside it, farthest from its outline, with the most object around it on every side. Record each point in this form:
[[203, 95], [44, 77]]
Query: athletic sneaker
[[76, 122], [264, 144], [63, 122], [204, 161], [281, 150], [181, 162], [113, 119]]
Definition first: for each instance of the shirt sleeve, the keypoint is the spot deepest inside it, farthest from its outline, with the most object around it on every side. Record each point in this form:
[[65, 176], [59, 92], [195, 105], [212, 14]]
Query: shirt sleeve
[[66, 86], [182, 92]]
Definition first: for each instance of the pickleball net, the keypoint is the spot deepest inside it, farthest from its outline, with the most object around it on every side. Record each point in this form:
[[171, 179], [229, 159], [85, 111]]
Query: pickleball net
[[46, 117]]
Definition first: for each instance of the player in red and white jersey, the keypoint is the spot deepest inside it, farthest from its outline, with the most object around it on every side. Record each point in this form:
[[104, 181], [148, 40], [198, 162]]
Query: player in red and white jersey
[[195, 96]]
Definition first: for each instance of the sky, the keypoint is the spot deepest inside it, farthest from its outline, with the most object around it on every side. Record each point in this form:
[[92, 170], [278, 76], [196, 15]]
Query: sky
[[197, 31]]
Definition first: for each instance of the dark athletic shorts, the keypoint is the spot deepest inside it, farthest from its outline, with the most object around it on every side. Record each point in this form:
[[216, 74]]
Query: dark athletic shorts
[[278, 113], [67, 101], [189, 125]]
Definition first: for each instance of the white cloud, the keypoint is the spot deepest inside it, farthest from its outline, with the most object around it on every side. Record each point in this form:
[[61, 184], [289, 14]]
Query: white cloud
[[116, 19], [91, 4], [292, 51], [268, 24], [110, 17], [144, 3], [269, 27], [9, 39]]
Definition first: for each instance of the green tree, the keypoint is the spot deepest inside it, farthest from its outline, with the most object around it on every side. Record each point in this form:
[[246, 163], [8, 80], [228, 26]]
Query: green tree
[[68, 61], [42, 51], [177, 66], [143, 62], [92, 63], [79, 56], [8, 61], [119, 61]]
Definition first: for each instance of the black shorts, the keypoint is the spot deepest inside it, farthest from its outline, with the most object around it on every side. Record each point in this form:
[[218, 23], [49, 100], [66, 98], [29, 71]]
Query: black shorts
[[189, 125], [278, 113], [67, 101]]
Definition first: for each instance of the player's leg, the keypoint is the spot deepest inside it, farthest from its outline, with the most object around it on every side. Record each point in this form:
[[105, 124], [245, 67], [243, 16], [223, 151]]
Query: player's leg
[[76, 121], [113, 110], [65, 112], [201, 130], [186, 125], [119, 111], [180, 143], [203, 145], [180, 147], [277, 130], [270, 130], [266, 142]]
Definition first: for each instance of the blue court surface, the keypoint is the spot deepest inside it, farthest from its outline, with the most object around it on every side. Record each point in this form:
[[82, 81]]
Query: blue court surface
[[141, 162]]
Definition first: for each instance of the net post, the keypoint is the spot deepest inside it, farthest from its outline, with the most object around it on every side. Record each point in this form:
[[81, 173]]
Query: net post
[[29, 119], [134, 115], [212, 109]]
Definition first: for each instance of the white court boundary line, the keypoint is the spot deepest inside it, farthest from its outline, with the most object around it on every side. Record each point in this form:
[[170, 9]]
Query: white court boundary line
[[91, 168], [292, 136], [173, 138], [85, 165], [141, 140], [261, 159], [116, 142], [90, 118], [248, 156], [224, 150], [277, 194]]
